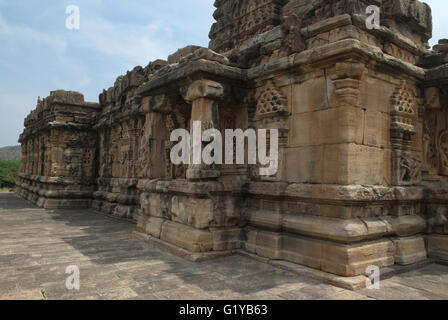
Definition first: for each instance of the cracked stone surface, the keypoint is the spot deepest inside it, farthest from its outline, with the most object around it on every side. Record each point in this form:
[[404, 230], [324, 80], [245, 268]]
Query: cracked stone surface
[[37, 245]]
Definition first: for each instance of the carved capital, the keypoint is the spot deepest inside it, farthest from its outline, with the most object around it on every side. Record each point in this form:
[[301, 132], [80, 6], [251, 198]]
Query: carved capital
[[160, 104], [204, 89], [346, 77], [348, 70]]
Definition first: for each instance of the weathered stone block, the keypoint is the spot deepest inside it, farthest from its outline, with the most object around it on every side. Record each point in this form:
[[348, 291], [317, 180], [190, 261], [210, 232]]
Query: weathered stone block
[[154, 226], [264, 219], [404, 226], [377, 129], [250, 243], [304, 165], [303, 251], [141, 223], [438, 247], [227, 239], [310, 95], [328, 126], [375, 93], [269, 245], [353, 260], [187, 237], [354, 164], [198, 213], [340, 230], [410, 250], [156, 205]]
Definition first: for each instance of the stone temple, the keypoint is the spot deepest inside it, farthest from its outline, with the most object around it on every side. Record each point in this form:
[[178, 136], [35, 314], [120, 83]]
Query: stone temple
[[362, 116]]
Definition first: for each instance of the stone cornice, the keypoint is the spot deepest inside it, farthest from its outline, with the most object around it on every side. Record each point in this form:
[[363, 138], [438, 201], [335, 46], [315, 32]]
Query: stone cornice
[[190, 71], [437, 76], [327, 54]]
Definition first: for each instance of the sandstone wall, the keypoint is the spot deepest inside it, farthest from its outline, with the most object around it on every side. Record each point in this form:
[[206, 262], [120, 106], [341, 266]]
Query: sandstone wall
[[59, 150]]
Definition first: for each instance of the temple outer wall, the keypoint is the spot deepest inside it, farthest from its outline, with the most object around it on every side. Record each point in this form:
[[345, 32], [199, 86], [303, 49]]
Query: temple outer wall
[[59, 152]]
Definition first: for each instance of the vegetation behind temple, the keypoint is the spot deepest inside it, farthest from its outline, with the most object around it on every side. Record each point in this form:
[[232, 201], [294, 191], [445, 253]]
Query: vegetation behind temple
[[9, 170]]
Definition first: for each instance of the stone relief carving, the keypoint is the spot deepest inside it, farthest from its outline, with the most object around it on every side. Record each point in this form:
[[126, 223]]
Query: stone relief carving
[[237, 21], [435, 133], [144, 150], [406, 166], [429, 145], [410, 169], [293, 39], [270, 101], [173, 121]]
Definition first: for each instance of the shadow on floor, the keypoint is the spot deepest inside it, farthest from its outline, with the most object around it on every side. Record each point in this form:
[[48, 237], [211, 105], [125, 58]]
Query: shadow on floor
[[107, 242], [9, 200]]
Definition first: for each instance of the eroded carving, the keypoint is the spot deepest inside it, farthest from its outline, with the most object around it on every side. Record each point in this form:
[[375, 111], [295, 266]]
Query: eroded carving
[[270, 102]]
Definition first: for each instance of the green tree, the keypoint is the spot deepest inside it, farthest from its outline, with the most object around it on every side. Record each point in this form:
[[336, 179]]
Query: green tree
[[9, 171]]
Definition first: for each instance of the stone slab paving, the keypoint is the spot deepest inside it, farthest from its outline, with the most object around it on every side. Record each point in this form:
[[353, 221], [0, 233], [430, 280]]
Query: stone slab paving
[[37, 245]]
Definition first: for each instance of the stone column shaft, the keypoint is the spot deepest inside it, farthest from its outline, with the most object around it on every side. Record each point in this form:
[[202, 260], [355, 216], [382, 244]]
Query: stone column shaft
[[204, 96]]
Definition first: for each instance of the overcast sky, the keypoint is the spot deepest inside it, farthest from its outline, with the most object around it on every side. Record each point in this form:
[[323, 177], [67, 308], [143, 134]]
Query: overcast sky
[[39, 54]]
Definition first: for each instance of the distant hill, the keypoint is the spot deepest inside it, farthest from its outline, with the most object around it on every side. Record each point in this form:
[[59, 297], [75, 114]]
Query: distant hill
[[11, 153]]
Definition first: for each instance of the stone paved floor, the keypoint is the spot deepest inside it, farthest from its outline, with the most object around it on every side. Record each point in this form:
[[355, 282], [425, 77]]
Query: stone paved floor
[[37, 245]]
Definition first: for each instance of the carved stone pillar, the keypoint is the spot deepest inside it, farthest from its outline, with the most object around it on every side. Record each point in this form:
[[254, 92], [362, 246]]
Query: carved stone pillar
[[204, 96], [155, 137]]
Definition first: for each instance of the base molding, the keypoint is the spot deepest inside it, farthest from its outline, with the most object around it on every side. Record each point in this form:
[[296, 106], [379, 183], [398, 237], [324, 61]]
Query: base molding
[[53, 203], [184, 253], [349, 283]]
